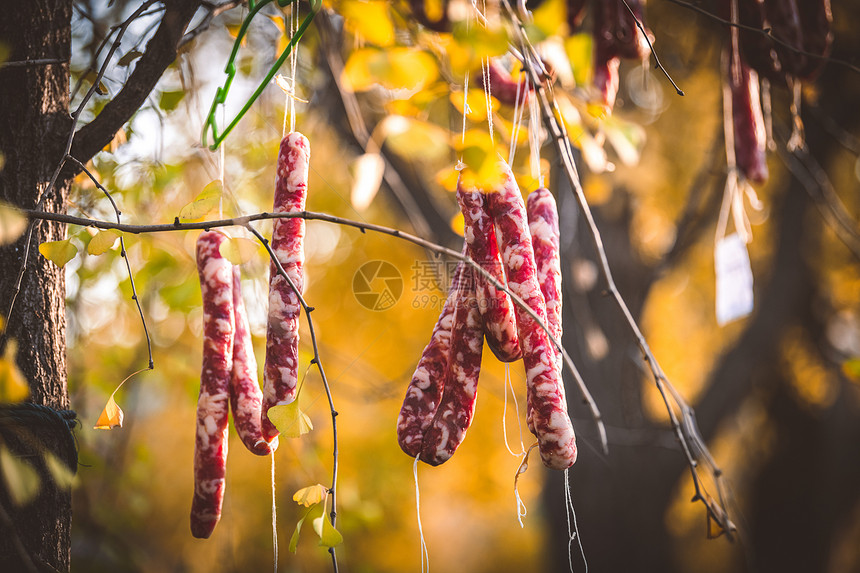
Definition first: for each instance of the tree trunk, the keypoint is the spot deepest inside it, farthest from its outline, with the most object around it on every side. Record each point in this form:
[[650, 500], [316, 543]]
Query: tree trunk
[[34, 125]]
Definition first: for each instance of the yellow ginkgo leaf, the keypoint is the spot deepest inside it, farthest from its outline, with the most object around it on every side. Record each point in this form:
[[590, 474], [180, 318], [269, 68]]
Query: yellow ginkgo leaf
[[102, 241], [13, 385], [329, 536], [58, 252], [370, 20], [111, 416], [206, 201], [239, 250], [547, 20], [579, 52], [290, 420], [468, 45], [419, 139], [12, 223], [394, 68], [307, 496], [480, 155], [21, 480]]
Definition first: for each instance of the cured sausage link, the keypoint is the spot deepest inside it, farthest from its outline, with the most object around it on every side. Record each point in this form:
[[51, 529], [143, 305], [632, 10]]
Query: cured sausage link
[[246, 398], [280, 373], [748, 122], [547, 407], [210, 447], [429, 380], [495, 306], [457, 407], [543, 228]]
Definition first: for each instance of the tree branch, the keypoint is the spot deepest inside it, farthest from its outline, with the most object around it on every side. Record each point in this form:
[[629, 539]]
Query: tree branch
[[160, 53]]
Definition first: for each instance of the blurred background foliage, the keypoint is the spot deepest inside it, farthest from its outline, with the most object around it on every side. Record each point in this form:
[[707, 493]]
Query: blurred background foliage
[[793, 375]]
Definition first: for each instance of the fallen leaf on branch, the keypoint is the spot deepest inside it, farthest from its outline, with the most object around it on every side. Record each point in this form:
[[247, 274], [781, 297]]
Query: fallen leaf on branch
[[206, 201], [102, 241], [307, 496], [111, 416], [290, 420], [58, 252]]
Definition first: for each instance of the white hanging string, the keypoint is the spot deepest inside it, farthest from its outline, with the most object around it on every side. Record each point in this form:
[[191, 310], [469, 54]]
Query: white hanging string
[[425, 555], [509, 384], [221, 167], [466, 109], [274, 514], [534, 140], [572, 532], [485, 72], [517, 123], [294, 24]]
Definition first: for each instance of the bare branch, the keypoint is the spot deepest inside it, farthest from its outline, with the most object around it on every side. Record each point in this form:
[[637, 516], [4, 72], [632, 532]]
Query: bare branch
[[160, 53], [312, 216]]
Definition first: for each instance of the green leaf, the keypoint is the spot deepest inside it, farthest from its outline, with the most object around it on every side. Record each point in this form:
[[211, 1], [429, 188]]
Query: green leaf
[[22, 481], [169, 100], [329, 536], [206, 201], [102, 241], [239, 250], [290, 420], [314, 512], [58, 252], [128, 58], [12, 223]]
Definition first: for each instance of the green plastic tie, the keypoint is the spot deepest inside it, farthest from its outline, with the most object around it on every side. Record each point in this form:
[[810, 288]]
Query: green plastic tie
[[230, 69]]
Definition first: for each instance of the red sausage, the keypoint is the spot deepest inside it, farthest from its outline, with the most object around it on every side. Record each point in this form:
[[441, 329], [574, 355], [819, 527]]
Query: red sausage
[[543, 228], [280, 374], [428, 381], [246, 399], [495, 306], [502, 85], [210, 449], [547, 407], [748, 123], [454, 413]]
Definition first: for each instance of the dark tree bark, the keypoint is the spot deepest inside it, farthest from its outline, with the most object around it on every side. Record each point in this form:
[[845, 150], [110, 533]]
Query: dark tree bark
[[34, 124], [34, 129]]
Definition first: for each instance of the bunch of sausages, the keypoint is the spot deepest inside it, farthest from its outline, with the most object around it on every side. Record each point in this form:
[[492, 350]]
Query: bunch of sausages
[[229, 374], [805, 26], [516, 244]]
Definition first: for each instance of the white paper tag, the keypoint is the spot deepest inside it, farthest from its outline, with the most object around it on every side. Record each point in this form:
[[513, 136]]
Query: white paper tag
[[734, 279]]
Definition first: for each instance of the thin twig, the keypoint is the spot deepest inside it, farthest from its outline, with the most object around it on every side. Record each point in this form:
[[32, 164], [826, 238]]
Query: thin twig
[[660, 67], [318, 362], [312, 216], [767, 33], [50, 188], [26, 63], [212, 10], [685, 429], [816, 183], [124, 255]]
